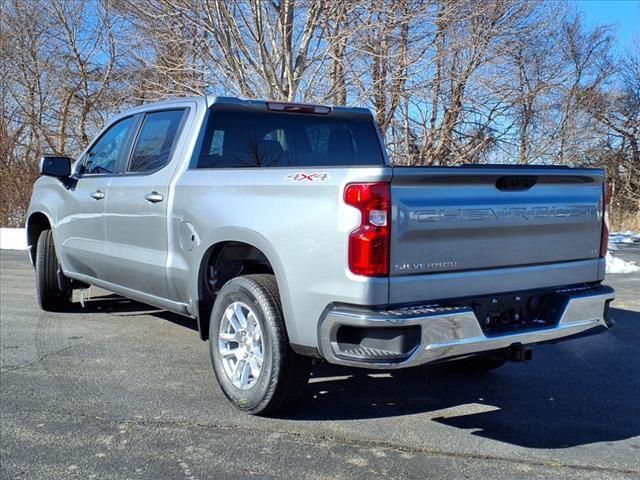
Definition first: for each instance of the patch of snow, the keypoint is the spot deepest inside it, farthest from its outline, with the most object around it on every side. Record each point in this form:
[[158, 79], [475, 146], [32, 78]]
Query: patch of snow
[[622, 237], [13, 239], [618, 265]]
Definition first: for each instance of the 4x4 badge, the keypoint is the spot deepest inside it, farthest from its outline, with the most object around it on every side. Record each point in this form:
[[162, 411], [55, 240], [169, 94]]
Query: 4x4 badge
[[310, 177]]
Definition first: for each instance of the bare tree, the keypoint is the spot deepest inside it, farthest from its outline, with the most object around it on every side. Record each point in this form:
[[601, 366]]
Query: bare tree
[[587, 63], [617, 113], [266, 47], [166, 49], [58, 69], [449, 81]]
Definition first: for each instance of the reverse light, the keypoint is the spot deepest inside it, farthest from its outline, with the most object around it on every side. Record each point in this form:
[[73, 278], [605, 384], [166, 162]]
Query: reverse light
[[369, 243], [606, 200], [378, 218]]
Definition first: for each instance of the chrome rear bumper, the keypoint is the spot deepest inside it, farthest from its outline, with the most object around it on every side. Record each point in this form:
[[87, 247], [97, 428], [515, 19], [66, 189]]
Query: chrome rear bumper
[[448, 332]]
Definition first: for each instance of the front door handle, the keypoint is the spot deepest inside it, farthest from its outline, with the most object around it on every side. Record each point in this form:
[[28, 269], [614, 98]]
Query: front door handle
[[154, 197], [97, 195]]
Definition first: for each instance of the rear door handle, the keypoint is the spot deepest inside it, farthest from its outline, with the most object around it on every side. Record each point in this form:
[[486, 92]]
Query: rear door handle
[[97, 195], [154, 197]]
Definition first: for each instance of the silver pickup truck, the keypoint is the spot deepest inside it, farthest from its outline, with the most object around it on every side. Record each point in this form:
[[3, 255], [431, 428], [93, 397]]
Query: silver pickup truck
[[284, 230]]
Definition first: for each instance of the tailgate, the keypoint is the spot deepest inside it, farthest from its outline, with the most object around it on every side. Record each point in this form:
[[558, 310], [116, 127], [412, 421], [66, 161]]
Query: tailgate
[[473, 218]]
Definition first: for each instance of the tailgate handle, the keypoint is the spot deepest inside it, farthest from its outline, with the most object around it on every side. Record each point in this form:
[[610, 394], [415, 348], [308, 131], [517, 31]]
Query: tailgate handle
[[516, 182]]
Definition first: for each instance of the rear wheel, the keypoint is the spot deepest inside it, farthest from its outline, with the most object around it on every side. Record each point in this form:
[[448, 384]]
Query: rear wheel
[[50, 296], [250, 352]]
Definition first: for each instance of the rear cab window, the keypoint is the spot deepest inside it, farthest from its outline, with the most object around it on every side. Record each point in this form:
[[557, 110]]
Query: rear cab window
[[237, 138]]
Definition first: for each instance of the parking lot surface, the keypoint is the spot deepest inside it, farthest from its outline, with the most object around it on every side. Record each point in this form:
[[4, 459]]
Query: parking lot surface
[[118, 389]]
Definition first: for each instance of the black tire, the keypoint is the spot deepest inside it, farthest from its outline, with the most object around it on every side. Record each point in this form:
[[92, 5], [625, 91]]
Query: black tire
[[284, 373], [50, 297], [477, 364]]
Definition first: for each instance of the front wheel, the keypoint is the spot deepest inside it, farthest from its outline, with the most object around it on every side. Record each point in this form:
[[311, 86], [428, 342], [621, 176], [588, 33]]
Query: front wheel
[[50, 296], [250, 352]]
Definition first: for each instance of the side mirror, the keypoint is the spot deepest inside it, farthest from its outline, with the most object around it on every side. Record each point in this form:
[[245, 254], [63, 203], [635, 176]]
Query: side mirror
[[54, 166]]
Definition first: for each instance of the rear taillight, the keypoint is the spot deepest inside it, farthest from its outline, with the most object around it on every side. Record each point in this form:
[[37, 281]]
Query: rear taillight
[[369, 243], [606, 200]]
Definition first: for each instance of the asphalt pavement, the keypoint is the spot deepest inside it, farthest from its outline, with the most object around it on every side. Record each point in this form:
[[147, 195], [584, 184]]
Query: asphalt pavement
[[120, 390]]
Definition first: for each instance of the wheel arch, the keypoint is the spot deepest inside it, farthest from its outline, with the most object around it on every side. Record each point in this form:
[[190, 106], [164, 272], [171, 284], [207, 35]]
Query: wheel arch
[[36, 224], [230, 258]]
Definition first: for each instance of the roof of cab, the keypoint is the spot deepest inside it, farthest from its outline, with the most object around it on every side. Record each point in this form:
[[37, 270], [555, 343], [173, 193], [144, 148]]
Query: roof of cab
[[262, 104], [170, 103], [228, 101]]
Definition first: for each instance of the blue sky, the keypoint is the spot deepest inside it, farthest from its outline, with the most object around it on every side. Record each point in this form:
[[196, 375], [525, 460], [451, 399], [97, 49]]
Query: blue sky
[[623, 14]]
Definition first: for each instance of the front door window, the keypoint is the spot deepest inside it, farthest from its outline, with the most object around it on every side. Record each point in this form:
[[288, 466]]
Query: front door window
[[103, 156]]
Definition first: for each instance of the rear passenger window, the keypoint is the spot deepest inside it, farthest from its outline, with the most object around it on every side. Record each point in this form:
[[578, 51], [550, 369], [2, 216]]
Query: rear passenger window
[[236, 138], [156, 140]]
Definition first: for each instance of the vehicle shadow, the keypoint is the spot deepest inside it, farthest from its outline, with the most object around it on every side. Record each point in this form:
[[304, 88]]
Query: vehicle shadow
[[573, 393], [120, 306]]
